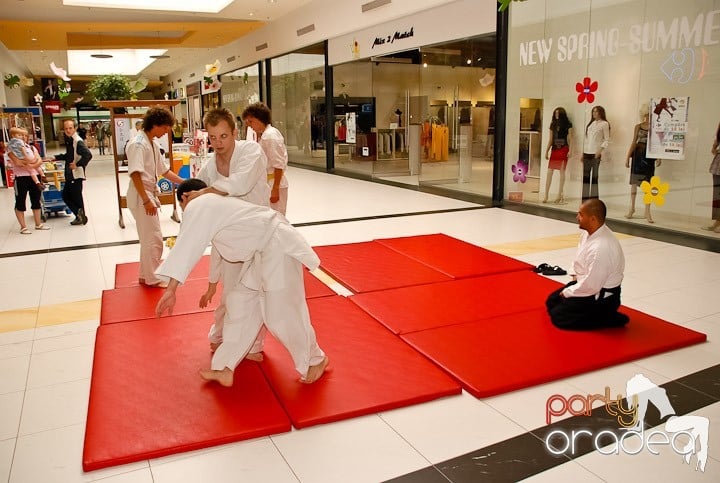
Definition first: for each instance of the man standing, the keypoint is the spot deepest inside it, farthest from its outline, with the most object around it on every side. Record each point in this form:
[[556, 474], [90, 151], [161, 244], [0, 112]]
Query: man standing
[[77, 155], [238, 169], [592, 299], [268, 253]]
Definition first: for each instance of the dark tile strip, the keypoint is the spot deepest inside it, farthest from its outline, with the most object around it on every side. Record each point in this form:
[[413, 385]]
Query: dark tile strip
[[296, 225], [526, 455]]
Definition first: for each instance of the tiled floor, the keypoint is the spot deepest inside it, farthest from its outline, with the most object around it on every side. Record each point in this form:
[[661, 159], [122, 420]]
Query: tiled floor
[[52, 282]]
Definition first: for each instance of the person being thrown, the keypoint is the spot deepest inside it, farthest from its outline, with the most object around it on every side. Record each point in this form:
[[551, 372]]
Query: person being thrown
[[269, 254], [592, 298]]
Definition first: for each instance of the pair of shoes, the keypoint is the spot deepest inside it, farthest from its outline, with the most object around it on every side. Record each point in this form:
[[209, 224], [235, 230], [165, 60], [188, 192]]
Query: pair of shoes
[[554, 271], [42, 226], [541, 268], [25, 231], [81, 215], [77, 221]]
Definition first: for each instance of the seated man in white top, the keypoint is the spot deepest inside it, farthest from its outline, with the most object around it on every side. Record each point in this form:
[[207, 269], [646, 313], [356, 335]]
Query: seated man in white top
[[592, 299], [269, 254]]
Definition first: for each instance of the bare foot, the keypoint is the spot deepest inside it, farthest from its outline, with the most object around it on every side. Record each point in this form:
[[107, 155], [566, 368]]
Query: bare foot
[[224, 377], [255, 356], [214, 346], [315, 372]]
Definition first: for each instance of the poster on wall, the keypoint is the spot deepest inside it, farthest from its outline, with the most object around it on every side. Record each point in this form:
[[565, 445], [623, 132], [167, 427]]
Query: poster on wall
[[351, 127], [668, 127]]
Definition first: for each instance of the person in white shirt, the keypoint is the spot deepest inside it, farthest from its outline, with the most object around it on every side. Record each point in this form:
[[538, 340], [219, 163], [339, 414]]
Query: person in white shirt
[[597, 139], [591, 300], [258, 117], [237, 169], [145, 165], [269, 254]]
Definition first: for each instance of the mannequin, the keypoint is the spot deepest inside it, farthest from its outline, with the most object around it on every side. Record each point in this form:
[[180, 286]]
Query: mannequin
[[597, 139], [641, 167], [558, 150]]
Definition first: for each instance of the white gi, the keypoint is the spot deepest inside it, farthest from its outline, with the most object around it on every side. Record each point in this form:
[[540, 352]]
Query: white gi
[[273, 145], [599, 263], [144, 157], [247, 181], [272, 253]]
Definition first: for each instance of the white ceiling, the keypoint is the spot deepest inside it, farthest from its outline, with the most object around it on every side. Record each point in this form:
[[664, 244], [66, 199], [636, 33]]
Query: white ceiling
[[135, 23]]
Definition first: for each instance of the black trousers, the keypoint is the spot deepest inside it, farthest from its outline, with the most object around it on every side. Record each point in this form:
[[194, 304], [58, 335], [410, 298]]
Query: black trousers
[[584, 313], [591, 165], [72, 195]]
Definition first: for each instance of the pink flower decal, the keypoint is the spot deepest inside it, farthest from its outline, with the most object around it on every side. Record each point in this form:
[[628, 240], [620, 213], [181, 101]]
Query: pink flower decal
[[586, 89], [520, 171]]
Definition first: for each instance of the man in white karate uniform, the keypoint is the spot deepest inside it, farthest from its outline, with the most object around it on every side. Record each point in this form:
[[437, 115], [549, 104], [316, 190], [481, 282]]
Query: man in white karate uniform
[[238, 169], [268, 254]]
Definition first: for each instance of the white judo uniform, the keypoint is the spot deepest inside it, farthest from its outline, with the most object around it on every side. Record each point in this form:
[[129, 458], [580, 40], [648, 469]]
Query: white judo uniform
[[247, 180], [263, 254], [144, 157], [273, 145]]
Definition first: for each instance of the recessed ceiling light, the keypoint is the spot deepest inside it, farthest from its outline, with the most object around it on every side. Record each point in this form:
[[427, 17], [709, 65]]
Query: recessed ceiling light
[[34, 39], [206, 6], [101, 56]]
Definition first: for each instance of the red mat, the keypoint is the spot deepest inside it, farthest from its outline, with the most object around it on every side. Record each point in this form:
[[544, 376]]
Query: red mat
[[368, 266], [126, 275], [453, 257], [137, 303], [371, 370], [502, 354], [422, 307], [147, 400]]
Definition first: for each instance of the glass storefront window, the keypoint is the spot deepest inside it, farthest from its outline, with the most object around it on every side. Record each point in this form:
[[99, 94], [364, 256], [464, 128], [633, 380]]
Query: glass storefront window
[[240, 88], [434, 115], [646, 63], [297, 80]]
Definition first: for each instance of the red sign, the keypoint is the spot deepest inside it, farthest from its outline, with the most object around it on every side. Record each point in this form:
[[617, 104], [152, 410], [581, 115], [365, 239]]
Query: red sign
[[52, 107]]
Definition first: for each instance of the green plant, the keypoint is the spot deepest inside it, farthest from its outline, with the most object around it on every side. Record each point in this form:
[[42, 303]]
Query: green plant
[[111, 87]]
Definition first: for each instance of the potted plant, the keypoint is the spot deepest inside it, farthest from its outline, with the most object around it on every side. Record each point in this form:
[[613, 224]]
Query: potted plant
[[111, 87]]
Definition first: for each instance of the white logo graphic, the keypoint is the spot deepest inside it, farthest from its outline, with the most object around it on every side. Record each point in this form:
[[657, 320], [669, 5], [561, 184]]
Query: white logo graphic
[[639, 392]]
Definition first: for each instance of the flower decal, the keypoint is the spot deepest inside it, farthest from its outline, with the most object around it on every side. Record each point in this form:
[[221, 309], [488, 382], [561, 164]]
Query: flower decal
[[170, 241], [38, 98], [586, 90], [655, 191], [520, 171]]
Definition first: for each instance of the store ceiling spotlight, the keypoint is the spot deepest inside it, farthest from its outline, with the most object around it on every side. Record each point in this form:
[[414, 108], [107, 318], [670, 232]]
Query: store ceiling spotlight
[[206, 6]]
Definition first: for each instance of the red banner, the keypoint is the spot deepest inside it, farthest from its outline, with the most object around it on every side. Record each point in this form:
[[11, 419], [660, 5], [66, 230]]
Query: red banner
[[52, 107]]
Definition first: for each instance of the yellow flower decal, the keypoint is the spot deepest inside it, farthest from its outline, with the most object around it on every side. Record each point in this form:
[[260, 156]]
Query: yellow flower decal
[[212, 69], [170, 242], [655, 191]]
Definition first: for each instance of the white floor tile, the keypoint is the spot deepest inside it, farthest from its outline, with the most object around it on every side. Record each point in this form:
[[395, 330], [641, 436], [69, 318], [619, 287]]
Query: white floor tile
[[15, 349], [138, 476], [566, 472], [257, 460], [55, 406], [48, 368], [7, 447], [71, 276], [13, 374], [49, 344], [17, 336], [452, 426], [681, 362], [70, 328], [56, 455], [363, 449], [11, 405]]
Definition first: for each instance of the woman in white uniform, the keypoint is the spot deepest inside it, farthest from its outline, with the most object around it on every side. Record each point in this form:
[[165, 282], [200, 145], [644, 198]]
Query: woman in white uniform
[[145, 165]]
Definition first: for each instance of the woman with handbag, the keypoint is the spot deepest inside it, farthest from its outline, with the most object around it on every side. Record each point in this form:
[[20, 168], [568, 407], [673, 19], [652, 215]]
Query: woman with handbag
[[641, 167], [558, 150], [715, 171]]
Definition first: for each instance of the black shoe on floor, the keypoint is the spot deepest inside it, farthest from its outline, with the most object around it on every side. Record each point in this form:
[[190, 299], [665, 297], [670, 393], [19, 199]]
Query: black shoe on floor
[[77, 221], [81, 215]]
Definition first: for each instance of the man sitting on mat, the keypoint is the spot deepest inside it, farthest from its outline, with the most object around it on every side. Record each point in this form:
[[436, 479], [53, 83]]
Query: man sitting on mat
[[592, 299], [269, 254]]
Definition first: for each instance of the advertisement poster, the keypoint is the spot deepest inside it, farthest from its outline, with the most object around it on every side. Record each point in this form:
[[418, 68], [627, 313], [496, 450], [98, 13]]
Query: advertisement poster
[[351, 127], [668, 127]]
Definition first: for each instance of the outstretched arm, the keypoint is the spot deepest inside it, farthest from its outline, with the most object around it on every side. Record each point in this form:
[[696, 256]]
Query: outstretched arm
[[167, 301]]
